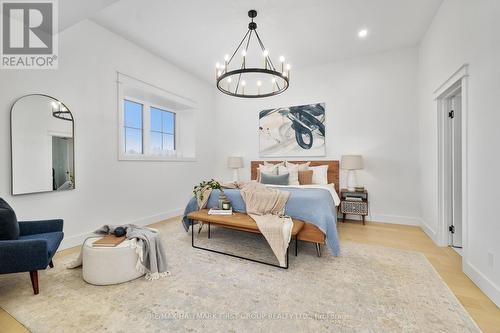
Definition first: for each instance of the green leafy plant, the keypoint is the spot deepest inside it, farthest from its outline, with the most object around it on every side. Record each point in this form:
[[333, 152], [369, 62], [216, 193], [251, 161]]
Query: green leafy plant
[[199, 189]]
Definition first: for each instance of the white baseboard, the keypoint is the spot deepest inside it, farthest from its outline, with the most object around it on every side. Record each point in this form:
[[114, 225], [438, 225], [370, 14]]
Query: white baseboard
[[484, 283], [396, 219], [429, 231], [76, 240], [392, 219]]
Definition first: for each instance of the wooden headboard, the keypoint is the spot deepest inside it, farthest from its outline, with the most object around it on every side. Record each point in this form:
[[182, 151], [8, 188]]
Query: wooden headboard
[[333, 169]]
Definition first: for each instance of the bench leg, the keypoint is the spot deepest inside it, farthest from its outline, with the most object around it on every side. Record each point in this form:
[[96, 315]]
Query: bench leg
[[209, 229], [318, 249], [296, 246]]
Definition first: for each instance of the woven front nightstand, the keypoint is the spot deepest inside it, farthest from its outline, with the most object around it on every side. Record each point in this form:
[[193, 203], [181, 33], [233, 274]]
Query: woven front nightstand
[[353, 203]]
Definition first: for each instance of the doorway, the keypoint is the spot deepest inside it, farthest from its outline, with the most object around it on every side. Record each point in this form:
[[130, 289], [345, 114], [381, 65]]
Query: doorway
[[451, 98], [453, 166], [62, 163]]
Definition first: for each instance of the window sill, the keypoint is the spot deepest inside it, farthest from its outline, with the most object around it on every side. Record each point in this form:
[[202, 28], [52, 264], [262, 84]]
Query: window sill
[[153, 158]]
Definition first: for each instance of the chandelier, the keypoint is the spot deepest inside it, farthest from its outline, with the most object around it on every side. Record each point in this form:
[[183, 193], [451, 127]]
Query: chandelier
[[252, 79]]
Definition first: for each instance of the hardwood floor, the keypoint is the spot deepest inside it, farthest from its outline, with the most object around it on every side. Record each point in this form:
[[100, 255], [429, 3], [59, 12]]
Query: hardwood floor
[[445, 260]]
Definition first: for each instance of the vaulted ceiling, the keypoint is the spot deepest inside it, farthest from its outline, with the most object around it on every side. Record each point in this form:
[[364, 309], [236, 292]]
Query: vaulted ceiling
[[194, 34]]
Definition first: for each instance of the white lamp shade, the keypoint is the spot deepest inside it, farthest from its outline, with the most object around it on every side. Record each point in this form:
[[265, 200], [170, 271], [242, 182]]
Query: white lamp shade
[[352, 162], [235, 162]]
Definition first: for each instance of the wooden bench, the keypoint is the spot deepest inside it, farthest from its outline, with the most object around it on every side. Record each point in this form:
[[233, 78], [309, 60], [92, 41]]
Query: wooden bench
[[241, 222]]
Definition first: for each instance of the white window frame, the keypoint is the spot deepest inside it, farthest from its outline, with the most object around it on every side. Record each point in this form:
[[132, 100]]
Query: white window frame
[[146, 132]]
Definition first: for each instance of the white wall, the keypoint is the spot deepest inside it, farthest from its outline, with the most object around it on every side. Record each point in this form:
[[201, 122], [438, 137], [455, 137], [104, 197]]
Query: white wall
[[465, 31], [370, 110], [108, 191]]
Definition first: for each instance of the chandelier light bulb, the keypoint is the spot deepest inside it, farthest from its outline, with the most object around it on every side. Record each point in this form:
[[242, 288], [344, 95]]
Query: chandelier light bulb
[[282, 59], [362, 33], [229, 80], [244, 53], [288, 67], [243, 83], [265, 53], [259, 83], [226, 57], [219, 73], [273, 80], [217, 65], [54, 104]]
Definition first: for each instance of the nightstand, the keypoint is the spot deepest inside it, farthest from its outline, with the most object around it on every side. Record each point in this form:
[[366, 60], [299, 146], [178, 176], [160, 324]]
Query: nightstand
[[353, 203]]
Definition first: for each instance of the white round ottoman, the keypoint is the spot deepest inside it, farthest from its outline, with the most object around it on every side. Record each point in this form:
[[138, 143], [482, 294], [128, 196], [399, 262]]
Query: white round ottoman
[[109, 265]]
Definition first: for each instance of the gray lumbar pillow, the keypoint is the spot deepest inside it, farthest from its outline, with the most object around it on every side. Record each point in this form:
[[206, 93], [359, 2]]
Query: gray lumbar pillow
[[274, 179], [9, 228]]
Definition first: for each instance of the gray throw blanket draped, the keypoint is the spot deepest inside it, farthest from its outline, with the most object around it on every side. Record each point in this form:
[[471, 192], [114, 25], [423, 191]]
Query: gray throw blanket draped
[[152, 259]]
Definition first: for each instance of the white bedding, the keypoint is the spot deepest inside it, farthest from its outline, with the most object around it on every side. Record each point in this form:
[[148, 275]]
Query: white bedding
[[329, 187]]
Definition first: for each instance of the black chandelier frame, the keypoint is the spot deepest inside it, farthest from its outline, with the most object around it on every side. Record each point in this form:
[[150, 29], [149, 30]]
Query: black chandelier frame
[[269, 69]]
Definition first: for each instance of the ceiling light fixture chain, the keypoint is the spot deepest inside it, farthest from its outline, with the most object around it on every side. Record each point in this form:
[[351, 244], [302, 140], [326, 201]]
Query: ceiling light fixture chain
[[245, 73]]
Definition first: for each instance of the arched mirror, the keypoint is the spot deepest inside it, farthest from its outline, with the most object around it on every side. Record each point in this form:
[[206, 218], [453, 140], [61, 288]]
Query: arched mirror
[[42, 140]]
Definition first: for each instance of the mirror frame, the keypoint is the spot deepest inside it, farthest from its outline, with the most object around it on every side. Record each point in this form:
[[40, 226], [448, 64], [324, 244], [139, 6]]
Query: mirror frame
[[11, 145]]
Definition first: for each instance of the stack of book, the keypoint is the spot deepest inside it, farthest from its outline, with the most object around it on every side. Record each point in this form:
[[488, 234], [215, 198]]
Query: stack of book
[[215, 211], [348, 198]]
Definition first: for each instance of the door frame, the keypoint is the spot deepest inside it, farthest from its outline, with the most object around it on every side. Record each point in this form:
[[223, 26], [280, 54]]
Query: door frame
[[459, 80]]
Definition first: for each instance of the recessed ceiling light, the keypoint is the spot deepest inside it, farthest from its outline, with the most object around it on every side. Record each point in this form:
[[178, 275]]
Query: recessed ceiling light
[[363, 33]]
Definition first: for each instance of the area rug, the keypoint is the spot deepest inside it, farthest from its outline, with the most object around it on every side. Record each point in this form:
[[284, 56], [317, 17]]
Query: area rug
[[366, 289]]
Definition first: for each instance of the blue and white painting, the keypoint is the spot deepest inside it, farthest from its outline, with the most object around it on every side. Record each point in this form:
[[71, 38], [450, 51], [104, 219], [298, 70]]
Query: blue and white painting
[[294, 131]]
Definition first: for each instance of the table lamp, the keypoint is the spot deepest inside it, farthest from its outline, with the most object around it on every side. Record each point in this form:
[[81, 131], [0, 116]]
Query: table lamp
[[351, 163], [235, 163]]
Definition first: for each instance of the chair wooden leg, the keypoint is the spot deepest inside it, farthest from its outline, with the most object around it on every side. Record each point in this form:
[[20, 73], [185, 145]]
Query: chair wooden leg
[[34, 281], [51, 264]]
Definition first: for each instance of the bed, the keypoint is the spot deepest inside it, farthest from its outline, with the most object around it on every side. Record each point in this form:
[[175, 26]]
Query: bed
[[316, 207], [309, 233]]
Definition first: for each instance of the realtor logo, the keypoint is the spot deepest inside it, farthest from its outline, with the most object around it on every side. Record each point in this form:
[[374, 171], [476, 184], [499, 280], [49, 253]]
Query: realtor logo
[[29, 34]]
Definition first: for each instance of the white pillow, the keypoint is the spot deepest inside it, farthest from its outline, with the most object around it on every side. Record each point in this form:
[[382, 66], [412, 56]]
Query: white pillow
[[293, 171], [302, 167], [320, 174]]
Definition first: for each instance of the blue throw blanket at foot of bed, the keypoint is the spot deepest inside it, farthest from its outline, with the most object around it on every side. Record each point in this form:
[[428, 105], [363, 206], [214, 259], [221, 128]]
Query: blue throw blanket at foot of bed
[[311, 205]]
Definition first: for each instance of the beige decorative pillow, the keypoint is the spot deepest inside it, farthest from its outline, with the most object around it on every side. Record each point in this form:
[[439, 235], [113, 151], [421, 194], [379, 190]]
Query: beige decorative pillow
[[271, 169], [267, 164], [302, 167], [293, 172], [305, 177]]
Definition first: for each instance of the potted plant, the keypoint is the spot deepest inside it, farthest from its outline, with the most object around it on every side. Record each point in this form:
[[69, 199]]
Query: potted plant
[[199, 191]]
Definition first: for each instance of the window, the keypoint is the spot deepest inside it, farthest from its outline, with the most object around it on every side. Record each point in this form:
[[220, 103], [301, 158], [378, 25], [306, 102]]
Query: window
[[154, 124], [162, 131], [133, 127], [148, 130]]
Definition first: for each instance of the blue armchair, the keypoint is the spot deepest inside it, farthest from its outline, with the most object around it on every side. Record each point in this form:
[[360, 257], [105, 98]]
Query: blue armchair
[[32, 249]]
